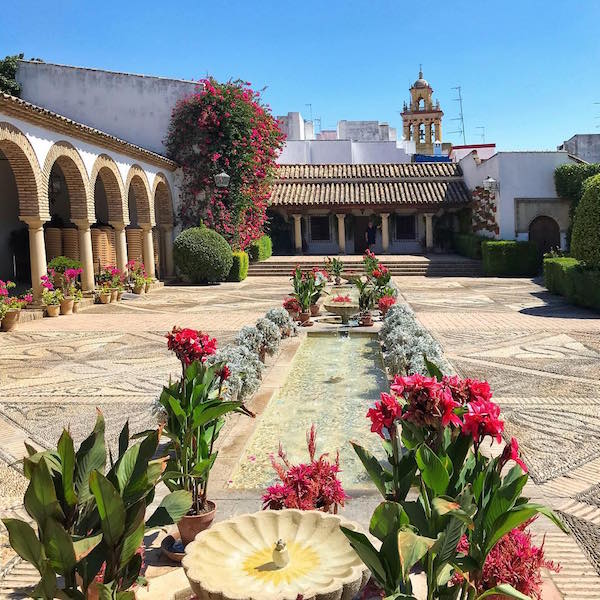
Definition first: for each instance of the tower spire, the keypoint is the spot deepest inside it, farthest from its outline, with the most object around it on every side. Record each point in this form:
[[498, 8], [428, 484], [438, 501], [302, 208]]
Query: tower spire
[[420, 71]]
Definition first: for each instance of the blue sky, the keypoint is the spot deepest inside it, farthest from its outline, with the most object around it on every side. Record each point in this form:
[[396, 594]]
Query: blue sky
[[529, 70]]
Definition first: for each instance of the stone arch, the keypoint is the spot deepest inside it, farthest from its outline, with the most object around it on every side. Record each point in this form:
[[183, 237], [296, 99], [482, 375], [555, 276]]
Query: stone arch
[[33, 200], [106, 168], [137, 182], [545, 232], [163, 200], [81, 200]]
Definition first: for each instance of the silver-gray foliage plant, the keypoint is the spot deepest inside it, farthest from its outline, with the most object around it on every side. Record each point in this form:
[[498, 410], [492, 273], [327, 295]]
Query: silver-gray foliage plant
[[245, 371], [270, 334], [282, 319], [250, 337]]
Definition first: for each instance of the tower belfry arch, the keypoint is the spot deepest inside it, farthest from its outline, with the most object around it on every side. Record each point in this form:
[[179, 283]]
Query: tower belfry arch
[[422, 117]]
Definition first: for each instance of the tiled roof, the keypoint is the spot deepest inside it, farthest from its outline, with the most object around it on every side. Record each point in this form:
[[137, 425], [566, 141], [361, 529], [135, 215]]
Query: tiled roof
[[47, 118], [413, 184]]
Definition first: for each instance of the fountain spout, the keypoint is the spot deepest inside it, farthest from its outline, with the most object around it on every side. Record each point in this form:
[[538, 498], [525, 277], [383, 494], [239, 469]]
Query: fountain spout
[[281, 557]]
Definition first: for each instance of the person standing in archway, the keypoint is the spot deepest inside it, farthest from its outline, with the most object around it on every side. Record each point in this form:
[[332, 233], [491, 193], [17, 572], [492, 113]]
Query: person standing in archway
[[371, 235]]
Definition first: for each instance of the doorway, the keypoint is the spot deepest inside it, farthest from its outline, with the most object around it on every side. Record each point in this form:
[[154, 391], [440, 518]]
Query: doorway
[[360, 229], [545, 232]]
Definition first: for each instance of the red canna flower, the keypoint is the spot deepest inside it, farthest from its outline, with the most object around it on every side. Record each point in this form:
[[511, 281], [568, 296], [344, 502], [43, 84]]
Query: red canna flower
[[511, 452], [483, 419]]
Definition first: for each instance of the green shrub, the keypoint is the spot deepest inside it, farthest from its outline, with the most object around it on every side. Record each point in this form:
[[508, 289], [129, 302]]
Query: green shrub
[[572, 279], [202, 255], [239, 268], [260, 249], [585, 242], [569, 181], [468, 244], [61, 263], [510, 258]]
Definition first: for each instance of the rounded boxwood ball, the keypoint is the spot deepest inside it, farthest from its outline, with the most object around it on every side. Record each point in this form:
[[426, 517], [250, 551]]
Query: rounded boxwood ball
[[203, 255]]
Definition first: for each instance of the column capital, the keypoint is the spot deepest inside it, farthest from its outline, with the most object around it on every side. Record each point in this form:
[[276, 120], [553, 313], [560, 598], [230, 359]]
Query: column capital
[[166, 226], [82, 223], [340, 216], [33, 222], [385, 215], [297, 216], [145, 226], [117, 225]]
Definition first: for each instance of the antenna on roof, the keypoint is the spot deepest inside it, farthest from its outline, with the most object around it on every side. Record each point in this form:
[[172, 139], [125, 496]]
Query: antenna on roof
[[309, 110], [460, 117]]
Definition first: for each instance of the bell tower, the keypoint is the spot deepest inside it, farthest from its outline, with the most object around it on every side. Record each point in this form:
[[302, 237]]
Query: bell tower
[[422, 119]]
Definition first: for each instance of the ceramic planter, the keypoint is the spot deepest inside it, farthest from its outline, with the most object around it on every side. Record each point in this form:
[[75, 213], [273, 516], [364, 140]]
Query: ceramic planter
[[104, 297], [314, 310], [191, 525], [304, 316], [114, 293], [139, 289], [66, 305], [11, 319], [53, 310], [366, 320]]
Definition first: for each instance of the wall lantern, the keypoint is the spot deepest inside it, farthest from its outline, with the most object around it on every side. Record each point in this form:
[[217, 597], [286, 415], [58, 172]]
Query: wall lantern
[[222, 180], [490, 184]]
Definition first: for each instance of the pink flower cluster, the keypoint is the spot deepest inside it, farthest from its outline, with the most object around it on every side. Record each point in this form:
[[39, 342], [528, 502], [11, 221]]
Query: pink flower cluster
[[47, 283], [513, 560], [385, 302], [341, 299], [311, 486], [190, 345], [5, 286], [292, 305], [429, 403]]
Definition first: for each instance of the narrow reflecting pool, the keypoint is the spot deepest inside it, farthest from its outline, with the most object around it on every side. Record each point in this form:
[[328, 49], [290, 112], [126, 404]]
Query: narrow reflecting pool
[[333, 381]]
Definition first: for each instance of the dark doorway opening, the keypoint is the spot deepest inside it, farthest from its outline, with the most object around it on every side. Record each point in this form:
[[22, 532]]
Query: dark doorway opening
[[545, 232], [360, 229]]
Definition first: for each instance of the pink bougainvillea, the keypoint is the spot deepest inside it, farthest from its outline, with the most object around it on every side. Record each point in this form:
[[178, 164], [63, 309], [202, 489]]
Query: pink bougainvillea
[[225, 127]]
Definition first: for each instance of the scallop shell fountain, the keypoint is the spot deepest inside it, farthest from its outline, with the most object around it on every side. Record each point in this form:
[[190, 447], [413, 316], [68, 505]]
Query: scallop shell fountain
[[275, 555]]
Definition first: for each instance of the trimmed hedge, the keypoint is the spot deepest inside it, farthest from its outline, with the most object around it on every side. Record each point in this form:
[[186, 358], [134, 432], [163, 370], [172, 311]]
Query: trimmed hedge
[[260, 249], [61, 263], [239, 268], [585, 241], [510, 258], [468, 244], [203, 255], [572, 279]]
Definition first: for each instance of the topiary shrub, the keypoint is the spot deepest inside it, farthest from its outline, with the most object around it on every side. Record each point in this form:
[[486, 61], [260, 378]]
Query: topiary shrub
[[509, 258], [585, 241], [60, 264], [572, 279], [239, 267], [202, 255], [468, 244], [260, 249]]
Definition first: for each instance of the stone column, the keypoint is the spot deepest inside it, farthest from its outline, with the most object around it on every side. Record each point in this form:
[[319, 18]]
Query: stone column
[[341, 233], [428, 132], [385, 232], [438, 129], [166, 233], [37, 255], [86, 256], [298, 233], [429, 231], [120, 244], [148, 249]]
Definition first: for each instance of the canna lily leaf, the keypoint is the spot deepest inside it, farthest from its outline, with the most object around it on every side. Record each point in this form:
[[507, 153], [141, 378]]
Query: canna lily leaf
[[133, 536], [90, 456], [372, 466], [24, 541], [367, 553], [171, 509], [83, 546], [387, 518], [503, 590], [110, 508], [40, 497], [433, 471], [66, 451], [412, 548], [58, 546]]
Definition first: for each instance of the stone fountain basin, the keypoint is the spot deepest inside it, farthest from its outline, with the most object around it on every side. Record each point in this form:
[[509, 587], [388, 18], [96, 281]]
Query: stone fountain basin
[[342, 309], [233, 560]]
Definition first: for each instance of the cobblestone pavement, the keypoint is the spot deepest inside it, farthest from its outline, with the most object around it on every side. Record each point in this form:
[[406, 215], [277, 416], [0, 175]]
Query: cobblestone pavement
[[542, 359], [540, 356]]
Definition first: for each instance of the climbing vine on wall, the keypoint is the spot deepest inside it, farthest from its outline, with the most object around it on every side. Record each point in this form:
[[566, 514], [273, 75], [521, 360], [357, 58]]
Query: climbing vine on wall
[[225, 127], [484, 211]]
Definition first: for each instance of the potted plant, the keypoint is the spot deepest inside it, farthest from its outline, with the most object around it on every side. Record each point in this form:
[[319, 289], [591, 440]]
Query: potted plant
[[104, 293], [319, 277], [77, 298], [292, 306], [138, 282], [366, 299], [303, 285], [51, 297], [193, 411], [336, 268], [68, 286], [10, 306], [148, 281], [90, 516]]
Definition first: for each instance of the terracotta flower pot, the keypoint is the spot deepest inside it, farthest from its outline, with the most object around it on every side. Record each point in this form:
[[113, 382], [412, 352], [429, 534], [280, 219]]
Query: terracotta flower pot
[[191, 525], [119, 295], [53, 310], [105, 297], [76, 306], [66, 305], [338, 280], [366, 321], [139, 289], [114, 294], [304, 316], [314, 310], [147, 287], [11, 319]]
